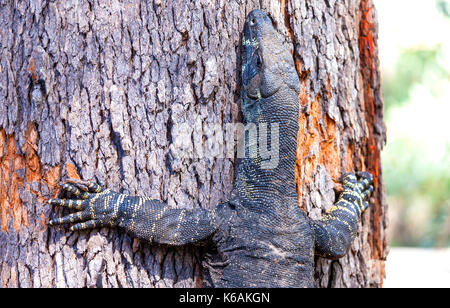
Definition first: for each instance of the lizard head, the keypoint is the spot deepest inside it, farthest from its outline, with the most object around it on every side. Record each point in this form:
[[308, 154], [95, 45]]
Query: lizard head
[[267, 64]]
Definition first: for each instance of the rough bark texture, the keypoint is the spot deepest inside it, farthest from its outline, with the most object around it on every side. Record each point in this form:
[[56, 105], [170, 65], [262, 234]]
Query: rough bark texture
[[93, 89]]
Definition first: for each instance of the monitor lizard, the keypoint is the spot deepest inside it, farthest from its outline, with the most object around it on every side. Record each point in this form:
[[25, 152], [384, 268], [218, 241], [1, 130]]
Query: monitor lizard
[[259, 237]]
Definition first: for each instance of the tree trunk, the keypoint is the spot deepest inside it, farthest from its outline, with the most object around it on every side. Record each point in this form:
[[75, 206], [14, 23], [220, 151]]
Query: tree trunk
[[94, 89]]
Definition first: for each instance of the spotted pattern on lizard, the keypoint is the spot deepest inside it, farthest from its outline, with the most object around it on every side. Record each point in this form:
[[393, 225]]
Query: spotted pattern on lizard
[[258, 237]]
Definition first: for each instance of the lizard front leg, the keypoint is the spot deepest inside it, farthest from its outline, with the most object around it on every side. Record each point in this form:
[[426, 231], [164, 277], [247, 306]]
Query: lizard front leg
[[147, 219], [337, 229]]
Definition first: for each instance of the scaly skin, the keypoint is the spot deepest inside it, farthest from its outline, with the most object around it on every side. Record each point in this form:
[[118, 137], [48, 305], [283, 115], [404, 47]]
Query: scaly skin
[[259, 237]]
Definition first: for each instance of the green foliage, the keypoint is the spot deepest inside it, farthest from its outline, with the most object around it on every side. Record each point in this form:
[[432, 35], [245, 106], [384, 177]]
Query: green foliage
[[443, 6], [417, 183], [414, 66], [420, 191], [412, 173]]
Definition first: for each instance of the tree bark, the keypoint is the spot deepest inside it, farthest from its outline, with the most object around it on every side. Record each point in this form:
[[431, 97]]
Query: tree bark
[[94, 89]]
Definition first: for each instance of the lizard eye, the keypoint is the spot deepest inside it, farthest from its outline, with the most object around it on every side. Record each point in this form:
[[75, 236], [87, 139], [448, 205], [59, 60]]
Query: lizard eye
[[259, 61], [252, 21]]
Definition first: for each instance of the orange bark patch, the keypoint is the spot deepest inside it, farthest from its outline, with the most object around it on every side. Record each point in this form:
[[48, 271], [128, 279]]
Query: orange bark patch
[[349, 158], [328, 153], [371, 152], [72, 171], [316, 145], [32, 69], [11, 180], [2, 143], [329, 94], [51, 179], [18, 169], [33, 171]]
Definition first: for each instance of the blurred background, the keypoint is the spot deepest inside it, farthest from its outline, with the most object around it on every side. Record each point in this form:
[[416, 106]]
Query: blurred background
[[414, 41]]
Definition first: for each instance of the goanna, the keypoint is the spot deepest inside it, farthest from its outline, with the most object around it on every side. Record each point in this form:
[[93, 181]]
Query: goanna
[[259, 237]]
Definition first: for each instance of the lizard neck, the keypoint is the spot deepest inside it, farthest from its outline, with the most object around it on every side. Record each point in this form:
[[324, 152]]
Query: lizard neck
[[270, 182]]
